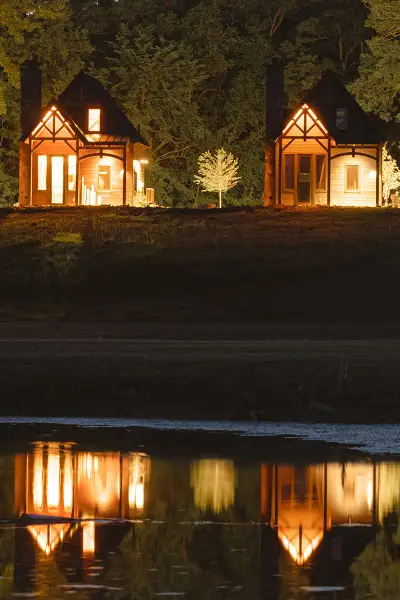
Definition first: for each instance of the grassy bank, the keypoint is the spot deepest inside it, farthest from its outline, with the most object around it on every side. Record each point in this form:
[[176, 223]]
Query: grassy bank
[[262, 265]]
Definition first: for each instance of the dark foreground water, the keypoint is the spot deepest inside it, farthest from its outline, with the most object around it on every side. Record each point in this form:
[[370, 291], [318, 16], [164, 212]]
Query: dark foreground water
[[139, 515]]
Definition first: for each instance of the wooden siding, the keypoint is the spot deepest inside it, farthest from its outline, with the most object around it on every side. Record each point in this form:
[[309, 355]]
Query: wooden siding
[[367, 194], [89, 171]]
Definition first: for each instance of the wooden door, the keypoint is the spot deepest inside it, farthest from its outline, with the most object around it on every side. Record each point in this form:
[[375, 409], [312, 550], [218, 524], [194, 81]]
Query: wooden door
[[304, 178]]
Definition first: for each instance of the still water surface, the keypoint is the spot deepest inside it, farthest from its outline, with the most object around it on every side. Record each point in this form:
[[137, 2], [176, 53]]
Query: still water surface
[[119, 525]]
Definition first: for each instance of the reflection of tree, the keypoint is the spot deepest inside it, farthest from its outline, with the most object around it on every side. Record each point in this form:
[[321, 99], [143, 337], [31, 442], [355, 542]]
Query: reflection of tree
[[376, 572], [6, 561], [389, 487], [213, 483], [292, 577], [186, 558]]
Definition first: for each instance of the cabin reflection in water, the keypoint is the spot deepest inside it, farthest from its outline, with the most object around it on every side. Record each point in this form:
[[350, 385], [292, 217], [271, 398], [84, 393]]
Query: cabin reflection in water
[[306, 512], [53, 480], [304, 503]]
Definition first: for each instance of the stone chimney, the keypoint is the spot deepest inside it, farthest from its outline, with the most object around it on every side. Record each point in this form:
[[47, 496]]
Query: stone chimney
[[275, 99], [31, 96]]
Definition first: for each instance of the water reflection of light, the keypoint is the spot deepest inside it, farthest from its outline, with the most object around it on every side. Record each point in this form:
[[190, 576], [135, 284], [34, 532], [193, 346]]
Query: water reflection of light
[[138, 473], [213, 483], [98, 487], [48, 537], [53, 479], [68, 483], [350, 492], [88, 537], [301, 545], [38, 480]]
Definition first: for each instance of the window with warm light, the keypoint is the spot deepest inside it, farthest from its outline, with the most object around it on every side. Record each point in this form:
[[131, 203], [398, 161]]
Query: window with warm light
[[352, 178], [72, 172], [288, 182], [104, 177], [42, 172], [94, 116], [320, 171]]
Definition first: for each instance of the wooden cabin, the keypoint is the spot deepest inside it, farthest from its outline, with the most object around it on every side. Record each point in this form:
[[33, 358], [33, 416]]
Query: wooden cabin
[[80, 149], [326, 151]]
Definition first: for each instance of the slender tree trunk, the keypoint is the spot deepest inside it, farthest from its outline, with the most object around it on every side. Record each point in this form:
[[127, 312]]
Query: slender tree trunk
[[220, 199]]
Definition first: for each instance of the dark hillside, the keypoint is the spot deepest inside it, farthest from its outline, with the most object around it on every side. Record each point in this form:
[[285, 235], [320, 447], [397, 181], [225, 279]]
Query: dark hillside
[[264, 265]]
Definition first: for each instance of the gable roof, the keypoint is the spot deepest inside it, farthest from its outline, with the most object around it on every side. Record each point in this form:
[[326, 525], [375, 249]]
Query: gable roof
[[330, 94], [84, 91]]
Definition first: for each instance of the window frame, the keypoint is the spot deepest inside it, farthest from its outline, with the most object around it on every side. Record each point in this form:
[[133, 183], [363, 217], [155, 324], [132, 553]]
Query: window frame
[[104, 189], [324, 169], [346, 189], [69, 173], [345, 118], [284, 186], [94, 108], [39, 187]]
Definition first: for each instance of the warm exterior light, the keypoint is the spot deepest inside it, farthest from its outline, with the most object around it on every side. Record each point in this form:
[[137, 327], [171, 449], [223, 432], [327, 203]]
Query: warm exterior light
[[144, 161], [139, 175], [53, 108], [372, 174]]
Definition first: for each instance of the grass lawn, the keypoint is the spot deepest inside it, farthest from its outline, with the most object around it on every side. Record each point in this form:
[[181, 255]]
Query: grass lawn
[[317, 265], [320, 266]]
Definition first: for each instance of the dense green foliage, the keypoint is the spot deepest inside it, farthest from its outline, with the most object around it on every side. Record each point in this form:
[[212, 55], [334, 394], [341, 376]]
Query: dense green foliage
[[191, 73]]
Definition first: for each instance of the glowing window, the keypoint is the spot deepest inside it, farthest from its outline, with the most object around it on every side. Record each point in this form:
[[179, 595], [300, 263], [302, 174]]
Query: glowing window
[[289, 171], [104, 178], [72, 172], [94, 119], [352, 178], [42, 172], [320, 163]]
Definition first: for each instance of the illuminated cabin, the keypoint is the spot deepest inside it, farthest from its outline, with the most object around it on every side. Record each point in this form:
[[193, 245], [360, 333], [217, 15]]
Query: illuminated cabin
[[80, 149], [304, 503], [327, 150]]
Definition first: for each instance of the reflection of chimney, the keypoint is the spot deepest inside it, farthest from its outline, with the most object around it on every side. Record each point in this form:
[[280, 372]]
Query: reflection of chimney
[[274, 122], [31, 96]]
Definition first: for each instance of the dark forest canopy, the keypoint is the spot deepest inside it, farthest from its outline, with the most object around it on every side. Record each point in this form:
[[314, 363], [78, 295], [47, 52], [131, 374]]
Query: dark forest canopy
[[191, 73]]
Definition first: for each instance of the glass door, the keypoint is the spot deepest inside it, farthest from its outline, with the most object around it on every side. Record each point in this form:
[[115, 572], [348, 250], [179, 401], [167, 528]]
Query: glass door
[[304, 178], [57, 179]]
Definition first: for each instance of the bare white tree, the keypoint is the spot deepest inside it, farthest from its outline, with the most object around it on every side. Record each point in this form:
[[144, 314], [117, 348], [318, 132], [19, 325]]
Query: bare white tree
[[390, 174], [217, 172]]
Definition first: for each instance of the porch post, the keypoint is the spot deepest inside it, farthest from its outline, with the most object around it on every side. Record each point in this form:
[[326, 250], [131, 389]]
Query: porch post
[[328, 196], [124, 179]]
